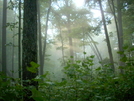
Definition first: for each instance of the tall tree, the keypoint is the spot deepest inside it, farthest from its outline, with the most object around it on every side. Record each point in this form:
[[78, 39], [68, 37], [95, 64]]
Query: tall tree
[[4, 36], [120, 36], [106, 31], [127, 7], [19, 40], [69, 20], [40, 39], [45, 40], [118, 25], [29, 43], [69, 29], [107, 37]]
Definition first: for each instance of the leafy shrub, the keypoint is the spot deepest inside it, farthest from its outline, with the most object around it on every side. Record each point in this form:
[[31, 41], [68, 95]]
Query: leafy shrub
[[83, 82], [10, 89]]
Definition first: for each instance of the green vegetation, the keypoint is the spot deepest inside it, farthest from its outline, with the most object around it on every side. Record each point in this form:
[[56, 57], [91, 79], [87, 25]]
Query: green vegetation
[[80, 83], [56, 50]]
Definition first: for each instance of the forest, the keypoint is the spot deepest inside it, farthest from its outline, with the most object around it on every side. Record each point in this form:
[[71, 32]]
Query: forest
[[66, 50]]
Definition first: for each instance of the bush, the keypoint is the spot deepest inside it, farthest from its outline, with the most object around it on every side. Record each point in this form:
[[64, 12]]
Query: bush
[[81, 83]]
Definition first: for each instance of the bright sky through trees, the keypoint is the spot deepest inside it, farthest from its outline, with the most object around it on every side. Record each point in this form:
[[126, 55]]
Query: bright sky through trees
[[96, 13], [81, 3]]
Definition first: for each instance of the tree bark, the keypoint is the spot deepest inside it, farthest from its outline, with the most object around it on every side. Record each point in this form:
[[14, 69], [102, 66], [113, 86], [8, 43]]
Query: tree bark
[[96, 48], [40, 39], [107, 37], [62, 46], [19, 40], [29, 44], [44, 48], [120, 34], [69, 31], [4, 36], [118, 24]]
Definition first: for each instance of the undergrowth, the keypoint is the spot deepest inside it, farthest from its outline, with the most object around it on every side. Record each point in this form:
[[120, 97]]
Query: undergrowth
[[82, 82]]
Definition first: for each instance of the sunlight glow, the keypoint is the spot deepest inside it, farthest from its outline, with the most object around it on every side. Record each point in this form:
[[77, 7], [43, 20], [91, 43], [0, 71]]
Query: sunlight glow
[[79, 3], [96, 13]]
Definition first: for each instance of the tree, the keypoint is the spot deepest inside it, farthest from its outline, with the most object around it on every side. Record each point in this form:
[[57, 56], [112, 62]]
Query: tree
[[29, 43], [45, 40], [19, 40], [70, 22], [4, 36], [42, 47], [40, 41], [107, 37], [118, 25]]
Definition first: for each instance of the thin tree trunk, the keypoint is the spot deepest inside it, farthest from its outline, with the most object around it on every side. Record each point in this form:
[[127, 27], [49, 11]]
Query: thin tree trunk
[[40, 39], [46, 28], [71, 46], [96, 48], [19, 42], [69, 32], [4, 69], [62, 47], [84, 43], [120, 32], [70, 38], [12, 57], [107, 37]]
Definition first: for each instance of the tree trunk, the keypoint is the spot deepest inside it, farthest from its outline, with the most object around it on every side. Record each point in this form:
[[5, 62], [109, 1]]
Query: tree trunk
[[118, 24], [4, 36], [107, 37], [19, 41], [44, 48], [62, 47], [29, 44], [69, 31], [71, 46], [120, 39], [96, 48], [40, 39]]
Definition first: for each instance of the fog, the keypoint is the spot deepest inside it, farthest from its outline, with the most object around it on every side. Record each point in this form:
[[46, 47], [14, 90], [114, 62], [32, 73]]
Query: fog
[[72, 27]]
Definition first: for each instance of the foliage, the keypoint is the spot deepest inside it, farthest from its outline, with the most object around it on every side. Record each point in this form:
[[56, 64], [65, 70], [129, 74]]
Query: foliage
[[33, 68], [10, 88], [81, 83]]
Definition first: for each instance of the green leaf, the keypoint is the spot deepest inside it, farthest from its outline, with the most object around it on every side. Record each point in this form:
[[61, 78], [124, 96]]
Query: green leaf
[[62, 83], [45, 74], [120, 52], [125, 47], [98, 69], [121, 67], [36, 95], [71, 57], [92, 56], [33, 67], [132, 49], [66, 67], [78, 61], [84, 53], [123, 59]]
